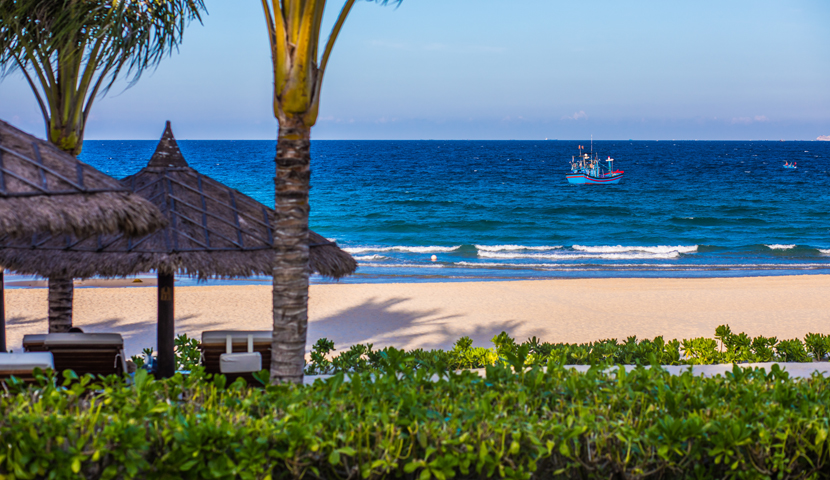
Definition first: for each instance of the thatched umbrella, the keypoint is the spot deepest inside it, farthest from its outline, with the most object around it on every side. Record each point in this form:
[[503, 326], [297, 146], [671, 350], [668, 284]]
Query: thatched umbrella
[[43, 189], [213, 231]]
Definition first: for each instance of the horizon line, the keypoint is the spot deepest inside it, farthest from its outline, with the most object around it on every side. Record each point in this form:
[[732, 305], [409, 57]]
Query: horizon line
[[466, 140]]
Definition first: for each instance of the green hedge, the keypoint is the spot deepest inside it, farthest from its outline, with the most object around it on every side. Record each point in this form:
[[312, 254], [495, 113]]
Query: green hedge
[[725, 347], [421, 423]]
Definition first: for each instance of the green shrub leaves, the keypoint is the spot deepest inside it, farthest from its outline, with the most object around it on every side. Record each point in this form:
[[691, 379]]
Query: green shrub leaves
[[726, 347], [397, 414], [404, 422]]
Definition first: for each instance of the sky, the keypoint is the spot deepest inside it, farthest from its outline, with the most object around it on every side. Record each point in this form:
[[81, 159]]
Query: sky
[[488, 69]]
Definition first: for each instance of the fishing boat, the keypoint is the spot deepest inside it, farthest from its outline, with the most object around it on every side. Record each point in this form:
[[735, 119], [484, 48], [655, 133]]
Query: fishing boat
[[588, 168], [790, 165]]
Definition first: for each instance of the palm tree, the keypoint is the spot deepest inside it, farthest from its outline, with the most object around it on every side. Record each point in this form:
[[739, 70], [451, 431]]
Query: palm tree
[[294, 34], [70, 51]]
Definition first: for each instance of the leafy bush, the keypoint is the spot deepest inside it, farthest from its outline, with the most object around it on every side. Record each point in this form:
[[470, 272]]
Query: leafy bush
[[817, 345], [701, 351], [791, 351], [187, 352], [726, 347], [405, 422], [185, 349]]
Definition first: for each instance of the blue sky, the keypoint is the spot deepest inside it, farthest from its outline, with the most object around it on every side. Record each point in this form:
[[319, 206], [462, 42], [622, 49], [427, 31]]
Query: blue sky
[[487, 69]]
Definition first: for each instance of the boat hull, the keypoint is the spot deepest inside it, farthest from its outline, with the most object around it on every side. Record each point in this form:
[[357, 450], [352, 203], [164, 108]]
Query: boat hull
[[585, 179]]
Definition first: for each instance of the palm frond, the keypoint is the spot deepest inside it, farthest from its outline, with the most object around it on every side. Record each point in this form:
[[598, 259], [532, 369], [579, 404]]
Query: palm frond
[[78, 48]]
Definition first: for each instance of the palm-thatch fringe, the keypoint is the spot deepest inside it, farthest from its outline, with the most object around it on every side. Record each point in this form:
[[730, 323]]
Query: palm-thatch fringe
[[81, 214], [325, 258], [43, 189], [212, 231]]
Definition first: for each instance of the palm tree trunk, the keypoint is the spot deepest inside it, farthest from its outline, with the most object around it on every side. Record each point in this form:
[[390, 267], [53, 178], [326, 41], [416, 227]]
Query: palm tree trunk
[[61, 288], [60, 304], [291, 251]]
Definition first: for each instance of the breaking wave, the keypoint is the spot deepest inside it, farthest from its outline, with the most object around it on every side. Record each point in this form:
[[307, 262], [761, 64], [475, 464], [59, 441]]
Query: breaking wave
[[403, 265], [575, 256], [659, 249], [365, 258], [432, 249], [776, 246], [513, 248]]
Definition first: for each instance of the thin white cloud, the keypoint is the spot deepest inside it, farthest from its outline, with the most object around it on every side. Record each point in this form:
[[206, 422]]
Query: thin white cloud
[[749, 120], [580, 115]]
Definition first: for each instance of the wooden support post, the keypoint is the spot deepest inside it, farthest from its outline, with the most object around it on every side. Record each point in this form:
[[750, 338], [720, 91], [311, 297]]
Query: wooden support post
[[2, 311], [166, 366]]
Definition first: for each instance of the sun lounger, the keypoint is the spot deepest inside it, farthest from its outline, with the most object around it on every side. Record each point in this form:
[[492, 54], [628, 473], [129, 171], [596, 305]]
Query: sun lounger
[[22, 365], [93, 353], [236, 353]]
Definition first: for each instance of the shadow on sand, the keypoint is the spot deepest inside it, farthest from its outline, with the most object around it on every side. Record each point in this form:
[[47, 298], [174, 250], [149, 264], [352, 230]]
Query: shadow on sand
[[387, 322]]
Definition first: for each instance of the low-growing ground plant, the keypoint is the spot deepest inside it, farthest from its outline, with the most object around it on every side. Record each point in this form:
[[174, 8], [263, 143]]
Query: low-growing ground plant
[[725, 347]]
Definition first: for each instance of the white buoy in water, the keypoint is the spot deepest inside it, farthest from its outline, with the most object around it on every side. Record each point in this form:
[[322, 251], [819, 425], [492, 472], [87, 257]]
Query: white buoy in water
[[434, 258]]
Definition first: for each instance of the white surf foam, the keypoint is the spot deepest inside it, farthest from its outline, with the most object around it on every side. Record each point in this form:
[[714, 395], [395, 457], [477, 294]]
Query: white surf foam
[[365, 258], [575, 256], [354, 250], [513, 248], [658, 249], [825, 251], [776, 246], [501, 264], [403, 265], [645, 266]]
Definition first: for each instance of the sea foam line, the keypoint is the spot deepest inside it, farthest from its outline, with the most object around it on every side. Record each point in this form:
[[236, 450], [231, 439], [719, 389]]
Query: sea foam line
[[491, 264], [403, 265], [660, 249], [364, 258], [512, 248], [400, 248], [574, 256], [705, 266]]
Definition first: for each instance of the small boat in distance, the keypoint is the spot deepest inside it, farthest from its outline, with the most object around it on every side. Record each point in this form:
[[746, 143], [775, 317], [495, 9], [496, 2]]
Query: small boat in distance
[[588, 169], [793, 165]]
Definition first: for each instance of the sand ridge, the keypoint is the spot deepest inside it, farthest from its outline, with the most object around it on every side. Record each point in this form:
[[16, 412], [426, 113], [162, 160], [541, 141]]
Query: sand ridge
[[434, 315]]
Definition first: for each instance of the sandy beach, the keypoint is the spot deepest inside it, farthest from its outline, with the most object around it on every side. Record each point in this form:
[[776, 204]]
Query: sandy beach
[[434, 315]]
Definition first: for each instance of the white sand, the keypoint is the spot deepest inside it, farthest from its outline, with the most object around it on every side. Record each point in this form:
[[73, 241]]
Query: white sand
[[434, 315]]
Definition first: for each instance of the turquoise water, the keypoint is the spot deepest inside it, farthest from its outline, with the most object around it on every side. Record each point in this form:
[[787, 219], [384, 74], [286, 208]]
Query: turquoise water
[[503, 209]]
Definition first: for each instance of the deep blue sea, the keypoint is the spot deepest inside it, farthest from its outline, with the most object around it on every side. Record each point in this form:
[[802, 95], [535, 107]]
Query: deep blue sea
[[503, 209]]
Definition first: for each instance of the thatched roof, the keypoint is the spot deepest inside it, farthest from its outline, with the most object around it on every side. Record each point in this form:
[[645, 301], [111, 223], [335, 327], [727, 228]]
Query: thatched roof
[[213, 231], [43, 189]]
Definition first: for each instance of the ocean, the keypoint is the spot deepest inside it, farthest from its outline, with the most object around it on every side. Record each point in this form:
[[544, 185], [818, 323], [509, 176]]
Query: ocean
[[498, 210]]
